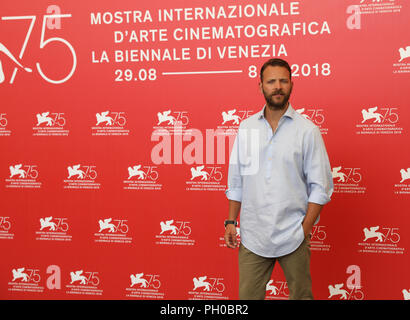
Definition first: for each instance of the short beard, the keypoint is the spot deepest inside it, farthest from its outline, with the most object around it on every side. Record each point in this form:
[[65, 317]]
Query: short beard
[[276, 106]]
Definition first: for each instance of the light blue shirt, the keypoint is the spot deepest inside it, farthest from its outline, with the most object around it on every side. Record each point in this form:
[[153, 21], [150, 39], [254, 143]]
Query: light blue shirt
[[274, 175]]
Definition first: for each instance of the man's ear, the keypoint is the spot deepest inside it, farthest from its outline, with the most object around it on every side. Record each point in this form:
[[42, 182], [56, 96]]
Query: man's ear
[[260, 86]]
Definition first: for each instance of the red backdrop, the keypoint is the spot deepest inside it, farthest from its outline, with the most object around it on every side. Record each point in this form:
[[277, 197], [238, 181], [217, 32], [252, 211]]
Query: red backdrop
[[89, 91]]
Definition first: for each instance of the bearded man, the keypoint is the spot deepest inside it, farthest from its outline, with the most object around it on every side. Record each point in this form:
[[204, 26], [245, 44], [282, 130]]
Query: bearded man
[[278, 181]]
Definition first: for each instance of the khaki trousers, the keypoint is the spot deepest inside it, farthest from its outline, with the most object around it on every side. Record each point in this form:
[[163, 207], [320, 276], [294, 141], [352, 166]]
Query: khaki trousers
[[255, 272]]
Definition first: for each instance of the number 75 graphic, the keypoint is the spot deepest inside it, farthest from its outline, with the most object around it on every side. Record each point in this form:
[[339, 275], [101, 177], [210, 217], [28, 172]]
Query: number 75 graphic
[[43, 43]]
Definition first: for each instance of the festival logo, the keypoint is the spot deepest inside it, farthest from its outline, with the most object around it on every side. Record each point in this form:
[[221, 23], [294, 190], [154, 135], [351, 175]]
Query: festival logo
[[81, 177], [142, 178], [406, 294], [381, 240], [51, 21], [352, 289], [277, 290], [84, 283], [403, 186], [338, 290], [171, 121], [50, 124], [113, 231], [110, 123], [23, 176], [380, 121], [231, 118], [25, 280], [175, 233], [144, 286], [54, 229], [4, 132], [207, 288], [317, 116], [402, 64], [5, 228], [348, 180], [205, 179]]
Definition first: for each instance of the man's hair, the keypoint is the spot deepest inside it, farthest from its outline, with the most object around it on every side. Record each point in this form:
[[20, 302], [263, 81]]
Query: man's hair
[[276, 62]]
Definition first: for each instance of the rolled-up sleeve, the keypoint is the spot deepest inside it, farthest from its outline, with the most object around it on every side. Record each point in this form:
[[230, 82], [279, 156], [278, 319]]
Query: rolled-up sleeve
[[316, 168], [234, 184]]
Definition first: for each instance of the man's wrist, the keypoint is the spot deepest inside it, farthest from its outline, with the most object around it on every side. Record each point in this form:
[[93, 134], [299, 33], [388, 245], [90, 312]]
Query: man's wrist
[[234, 222]]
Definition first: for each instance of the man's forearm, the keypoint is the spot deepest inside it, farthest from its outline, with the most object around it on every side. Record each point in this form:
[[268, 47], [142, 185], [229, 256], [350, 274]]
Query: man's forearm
[[234, 209], [312, 214]]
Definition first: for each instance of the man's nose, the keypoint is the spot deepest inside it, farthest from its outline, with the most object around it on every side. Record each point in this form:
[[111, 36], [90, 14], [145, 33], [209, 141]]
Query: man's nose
[[277, 85]]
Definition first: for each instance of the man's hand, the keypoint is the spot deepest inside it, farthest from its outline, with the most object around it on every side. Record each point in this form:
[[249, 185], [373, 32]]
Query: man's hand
[[230, 236]]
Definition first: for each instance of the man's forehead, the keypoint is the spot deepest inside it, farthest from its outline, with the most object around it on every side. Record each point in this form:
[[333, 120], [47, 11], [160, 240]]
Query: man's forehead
[[276, 69], [276, 72]]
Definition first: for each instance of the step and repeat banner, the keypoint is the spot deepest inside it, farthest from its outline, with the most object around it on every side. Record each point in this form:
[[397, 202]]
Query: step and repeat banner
[[116, 123]]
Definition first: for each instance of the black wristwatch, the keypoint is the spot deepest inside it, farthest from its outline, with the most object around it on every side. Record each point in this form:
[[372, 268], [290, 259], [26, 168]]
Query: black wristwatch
[[230, 222]]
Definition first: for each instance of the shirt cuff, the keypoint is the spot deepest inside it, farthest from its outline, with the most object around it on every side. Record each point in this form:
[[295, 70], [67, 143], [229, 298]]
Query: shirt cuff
[[234, 194], [319, 198]]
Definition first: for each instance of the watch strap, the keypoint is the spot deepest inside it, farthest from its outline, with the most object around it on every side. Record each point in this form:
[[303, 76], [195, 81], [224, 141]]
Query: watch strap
[[230, 222]]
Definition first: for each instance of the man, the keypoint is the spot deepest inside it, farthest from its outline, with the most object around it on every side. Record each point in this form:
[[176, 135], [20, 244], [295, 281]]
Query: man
[[279, 179]]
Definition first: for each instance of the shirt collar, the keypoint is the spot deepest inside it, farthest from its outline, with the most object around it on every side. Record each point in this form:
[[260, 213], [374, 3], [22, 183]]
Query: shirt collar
[[290, 112]]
